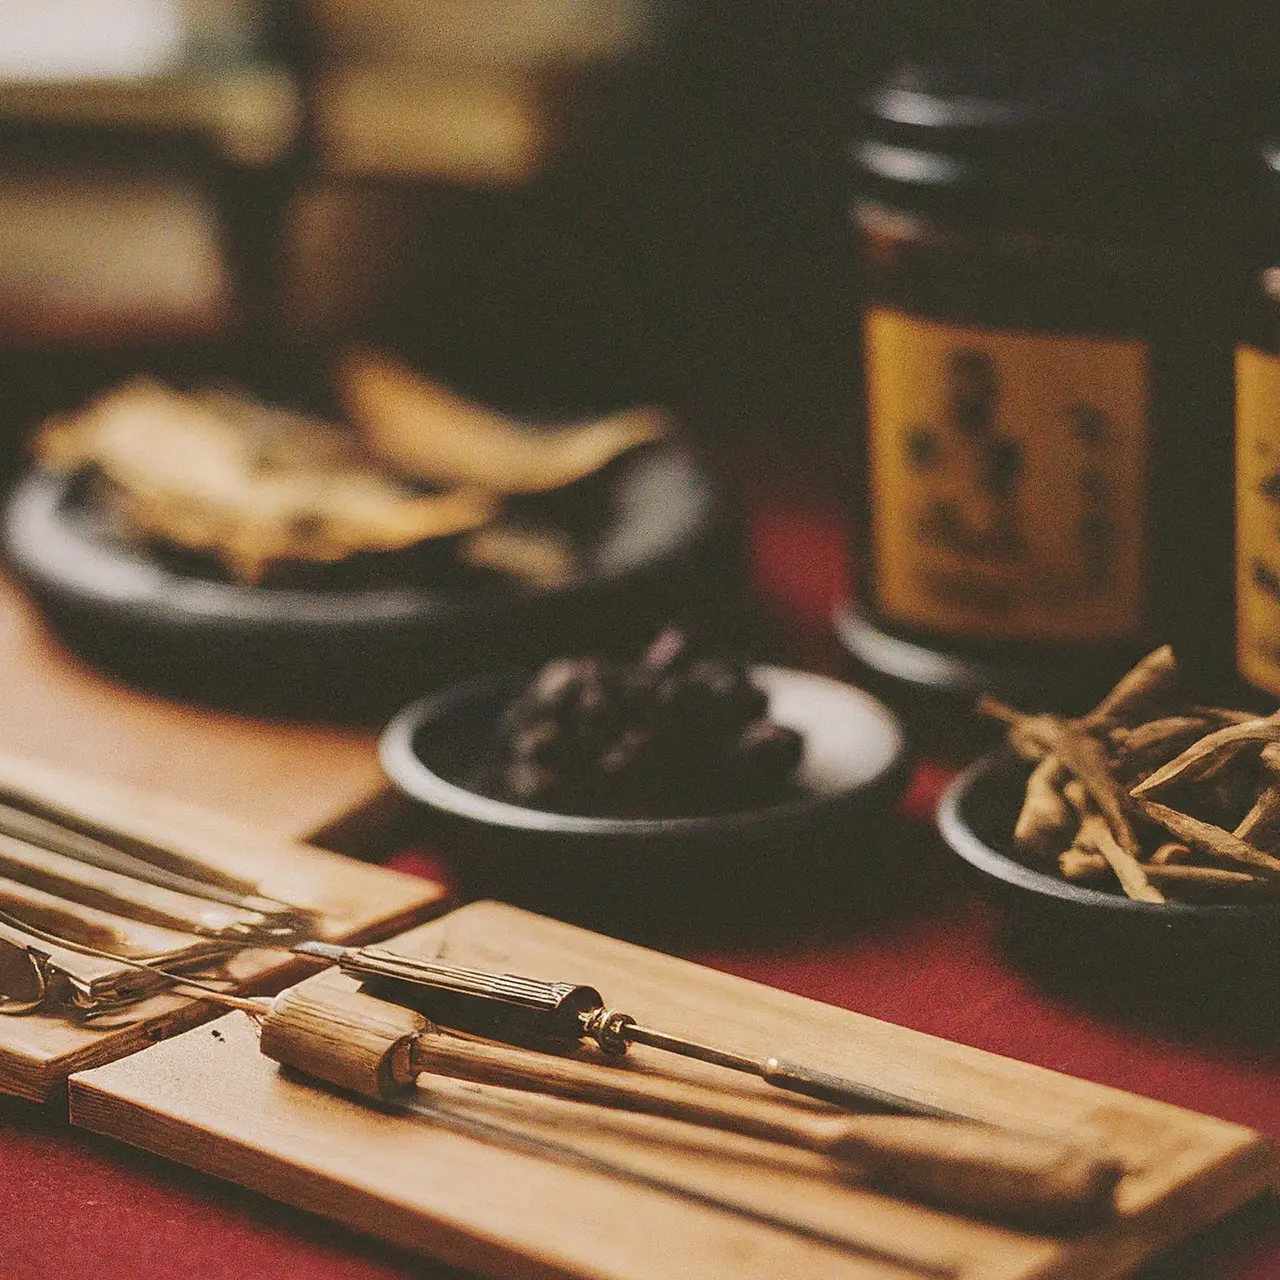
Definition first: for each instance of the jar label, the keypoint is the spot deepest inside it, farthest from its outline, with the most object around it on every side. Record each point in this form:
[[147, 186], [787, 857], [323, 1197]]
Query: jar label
[[1258, 518], [1006, 479]]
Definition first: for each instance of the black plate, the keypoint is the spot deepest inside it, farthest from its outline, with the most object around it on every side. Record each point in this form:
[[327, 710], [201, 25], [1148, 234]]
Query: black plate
[[646, 878], [1198, 960], [659, 544]]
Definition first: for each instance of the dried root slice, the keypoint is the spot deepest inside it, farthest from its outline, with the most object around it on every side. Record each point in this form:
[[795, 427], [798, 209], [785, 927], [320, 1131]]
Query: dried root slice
[[1156, 740], [1138, 690], [252, 486], [1211, 754], [1031, 736], [1261, 825], [1220, 717], [424, 431], [1216, 842], [1088, 867], [1171, 854], [542, 558], [1086, 758], [1096, 835], [1045, 814]]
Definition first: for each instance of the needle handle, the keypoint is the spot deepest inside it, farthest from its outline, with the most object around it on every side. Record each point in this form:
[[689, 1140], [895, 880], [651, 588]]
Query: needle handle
[[504, 1006], [359, 1043]]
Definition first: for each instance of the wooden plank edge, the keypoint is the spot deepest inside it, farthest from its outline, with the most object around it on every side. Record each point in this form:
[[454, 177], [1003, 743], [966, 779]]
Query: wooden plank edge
[[1222, 1188], [369, 829], [232, 1161], [46, 1081], [1107, 1254]]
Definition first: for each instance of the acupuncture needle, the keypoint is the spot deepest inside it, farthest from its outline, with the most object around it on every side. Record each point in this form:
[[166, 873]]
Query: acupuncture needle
[[517, 1009], [507, 1007]]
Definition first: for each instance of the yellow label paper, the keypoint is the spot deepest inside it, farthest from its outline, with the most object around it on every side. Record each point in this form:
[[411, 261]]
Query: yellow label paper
[[1006, 479], [1258, 518]]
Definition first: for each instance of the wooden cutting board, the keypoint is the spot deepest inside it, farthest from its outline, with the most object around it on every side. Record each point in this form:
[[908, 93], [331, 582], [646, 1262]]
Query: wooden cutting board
[[353, 902], [210, 1099]]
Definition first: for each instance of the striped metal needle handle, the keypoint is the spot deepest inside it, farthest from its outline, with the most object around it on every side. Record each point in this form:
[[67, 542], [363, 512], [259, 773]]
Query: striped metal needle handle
[[508, 1007]]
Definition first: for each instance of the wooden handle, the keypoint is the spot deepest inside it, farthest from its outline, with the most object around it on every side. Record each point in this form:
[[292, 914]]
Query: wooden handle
[[982, 1169], [967, 1166], [358, 1042]]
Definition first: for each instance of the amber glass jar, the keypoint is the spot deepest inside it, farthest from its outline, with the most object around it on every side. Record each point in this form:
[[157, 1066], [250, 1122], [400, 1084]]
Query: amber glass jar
[[1257, 361], [1048, 284]]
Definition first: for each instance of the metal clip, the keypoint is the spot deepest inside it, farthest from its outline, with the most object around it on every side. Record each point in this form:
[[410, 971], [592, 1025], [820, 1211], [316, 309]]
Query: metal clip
[[41, 972]]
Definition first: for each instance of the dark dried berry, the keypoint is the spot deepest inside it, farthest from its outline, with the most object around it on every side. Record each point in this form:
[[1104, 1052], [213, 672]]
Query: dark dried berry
[[626, 751], [770, 748], [711, 699], [669, 652], [559, 686], [673, 732], [542, 742], [528, 783]]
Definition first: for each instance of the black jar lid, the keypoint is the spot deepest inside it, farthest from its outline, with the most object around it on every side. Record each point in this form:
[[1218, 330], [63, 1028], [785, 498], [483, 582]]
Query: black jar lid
[[1035, 135]]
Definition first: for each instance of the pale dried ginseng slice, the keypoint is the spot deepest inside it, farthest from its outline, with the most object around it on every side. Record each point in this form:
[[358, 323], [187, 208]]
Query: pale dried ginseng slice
[[255, 487], [425, 431]]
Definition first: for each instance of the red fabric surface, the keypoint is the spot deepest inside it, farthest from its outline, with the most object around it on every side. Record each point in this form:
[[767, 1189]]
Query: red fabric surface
[[73, 1204]]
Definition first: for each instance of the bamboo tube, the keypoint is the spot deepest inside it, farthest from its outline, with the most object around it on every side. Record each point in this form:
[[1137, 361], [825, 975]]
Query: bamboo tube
[[345, 1038]]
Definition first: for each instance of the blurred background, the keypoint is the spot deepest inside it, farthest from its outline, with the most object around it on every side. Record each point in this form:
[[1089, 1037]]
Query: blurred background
[[556, 205]]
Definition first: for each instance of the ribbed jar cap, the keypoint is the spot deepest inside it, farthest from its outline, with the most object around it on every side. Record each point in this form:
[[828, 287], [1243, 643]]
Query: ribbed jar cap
[[1029, 135]]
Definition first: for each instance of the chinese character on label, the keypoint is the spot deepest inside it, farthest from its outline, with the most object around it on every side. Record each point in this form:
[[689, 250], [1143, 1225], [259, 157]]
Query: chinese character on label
[[1006, 478]]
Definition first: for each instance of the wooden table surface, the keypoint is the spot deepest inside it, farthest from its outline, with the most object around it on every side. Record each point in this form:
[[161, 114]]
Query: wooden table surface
[[317, 782]]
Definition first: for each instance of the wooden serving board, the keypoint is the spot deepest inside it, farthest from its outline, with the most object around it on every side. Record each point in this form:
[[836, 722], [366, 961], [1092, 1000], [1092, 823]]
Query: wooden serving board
[[210, 1099], [353, 902]]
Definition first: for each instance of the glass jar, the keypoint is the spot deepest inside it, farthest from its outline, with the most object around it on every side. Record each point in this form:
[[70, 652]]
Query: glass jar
[[1047, 283], [1257, 420]]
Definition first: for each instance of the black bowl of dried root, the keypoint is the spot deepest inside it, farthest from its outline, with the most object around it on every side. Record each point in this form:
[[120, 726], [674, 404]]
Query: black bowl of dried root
[[1150, 814]]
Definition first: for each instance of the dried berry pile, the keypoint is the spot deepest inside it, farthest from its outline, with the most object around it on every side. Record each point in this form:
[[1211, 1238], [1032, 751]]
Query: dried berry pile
[[677, 732]]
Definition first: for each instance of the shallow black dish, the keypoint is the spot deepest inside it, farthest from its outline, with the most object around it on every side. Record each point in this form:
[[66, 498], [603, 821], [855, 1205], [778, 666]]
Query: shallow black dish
[[748, 870], [1198, 961], [936, 688], [660, 545]]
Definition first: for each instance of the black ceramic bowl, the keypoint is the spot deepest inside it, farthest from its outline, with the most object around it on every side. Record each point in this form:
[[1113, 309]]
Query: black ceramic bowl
[[1102, 943], [658, 878], [661, 544]]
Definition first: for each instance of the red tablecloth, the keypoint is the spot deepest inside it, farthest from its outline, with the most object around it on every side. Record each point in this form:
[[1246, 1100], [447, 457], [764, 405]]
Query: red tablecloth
[[76, 1205]]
